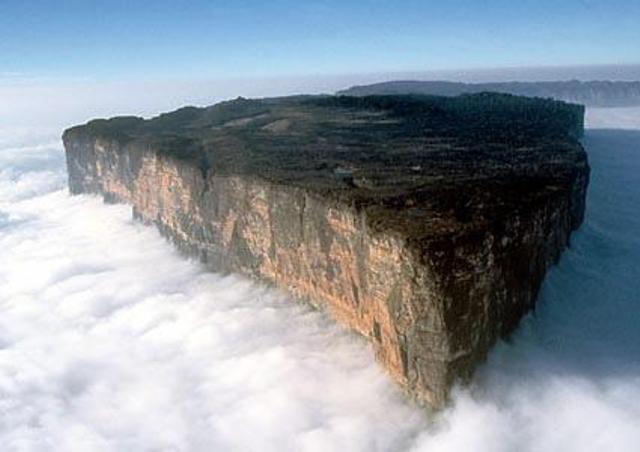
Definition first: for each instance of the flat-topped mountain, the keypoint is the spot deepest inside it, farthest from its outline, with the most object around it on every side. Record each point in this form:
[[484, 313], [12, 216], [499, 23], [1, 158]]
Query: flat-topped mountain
[[597, 93], [424, 223], [376, 151]]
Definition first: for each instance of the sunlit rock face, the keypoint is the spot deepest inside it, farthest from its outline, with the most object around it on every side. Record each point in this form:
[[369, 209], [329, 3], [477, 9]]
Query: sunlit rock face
[[413, 230]]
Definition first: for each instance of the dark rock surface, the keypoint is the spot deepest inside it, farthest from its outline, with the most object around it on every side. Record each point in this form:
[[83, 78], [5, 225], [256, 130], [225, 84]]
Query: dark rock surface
[[423, 223]]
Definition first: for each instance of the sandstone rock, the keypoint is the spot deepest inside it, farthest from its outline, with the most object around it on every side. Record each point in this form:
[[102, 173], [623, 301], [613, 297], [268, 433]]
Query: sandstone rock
[[434, 245]]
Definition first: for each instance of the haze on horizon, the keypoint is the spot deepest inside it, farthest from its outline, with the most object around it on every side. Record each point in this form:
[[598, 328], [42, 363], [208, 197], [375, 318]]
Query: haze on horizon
[[65, 63]]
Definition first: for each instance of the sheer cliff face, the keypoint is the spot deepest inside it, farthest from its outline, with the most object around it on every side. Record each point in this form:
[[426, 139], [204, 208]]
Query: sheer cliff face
[[432, 297]]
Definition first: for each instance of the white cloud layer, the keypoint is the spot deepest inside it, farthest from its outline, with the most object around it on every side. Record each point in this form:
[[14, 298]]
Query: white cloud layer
[[110, 341]]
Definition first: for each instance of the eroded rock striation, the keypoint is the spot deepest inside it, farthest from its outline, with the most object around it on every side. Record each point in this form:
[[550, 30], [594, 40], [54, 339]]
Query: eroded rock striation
[[425, 224]]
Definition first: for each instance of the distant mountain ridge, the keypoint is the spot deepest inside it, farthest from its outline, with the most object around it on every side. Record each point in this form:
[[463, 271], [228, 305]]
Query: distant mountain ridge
[[597, 93]]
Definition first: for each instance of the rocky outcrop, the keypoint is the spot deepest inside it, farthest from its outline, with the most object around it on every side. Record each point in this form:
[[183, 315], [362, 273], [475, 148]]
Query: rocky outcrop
[[432, 255]]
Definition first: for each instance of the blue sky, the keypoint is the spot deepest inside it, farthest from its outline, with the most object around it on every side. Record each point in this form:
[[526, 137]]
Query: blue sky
[[158, 39]]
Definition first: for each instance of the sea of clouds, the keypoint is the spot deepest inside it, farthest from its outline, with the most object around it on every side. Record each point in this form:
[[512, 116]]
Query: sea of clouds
[[110, 341]]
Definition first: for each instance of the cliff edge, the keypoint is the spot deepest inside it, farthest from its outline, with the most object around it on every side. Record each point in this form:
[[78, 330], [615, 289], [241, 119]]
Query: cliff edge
[[424, 223]]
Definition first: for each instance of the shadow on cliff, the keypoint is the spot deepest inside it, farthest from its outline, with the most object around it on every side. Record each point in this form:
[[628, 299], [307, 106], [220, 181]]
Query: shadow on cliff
[[587, 322], [569, 378]]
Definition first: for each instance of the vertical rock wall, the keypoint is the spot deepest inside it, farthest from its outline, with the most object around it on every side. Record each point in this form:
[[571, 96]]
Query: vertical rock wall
[[431, 308]]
